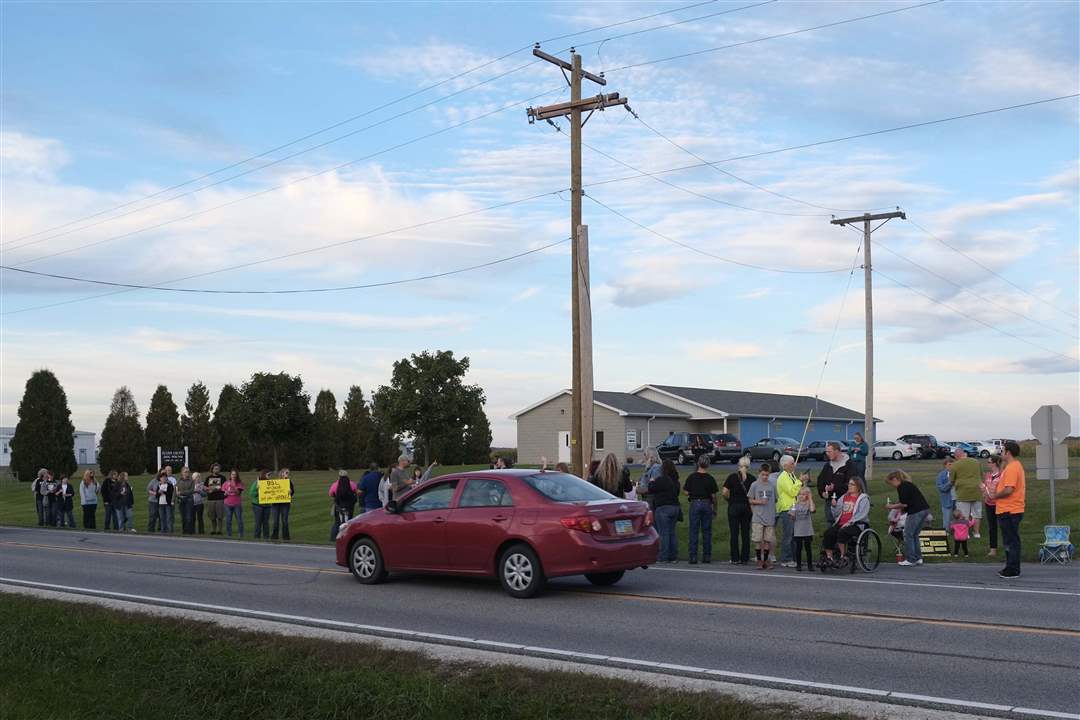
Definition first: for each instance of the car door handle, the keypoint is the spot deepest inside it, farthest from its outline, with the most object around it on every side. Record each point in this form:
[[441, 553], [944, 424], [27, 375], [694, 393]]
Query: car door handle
[[438, 520], [500, 518]]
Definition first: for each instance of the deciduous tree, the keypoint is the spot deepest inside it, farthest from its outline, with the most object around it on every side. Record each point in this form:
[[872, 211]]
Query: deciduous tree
[[277, 410]]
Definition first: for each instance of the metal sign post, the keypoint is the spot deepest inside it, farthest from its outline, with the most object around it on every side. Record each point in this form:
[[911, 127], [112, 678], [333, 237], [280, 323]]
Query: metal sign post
[[1050, 425]]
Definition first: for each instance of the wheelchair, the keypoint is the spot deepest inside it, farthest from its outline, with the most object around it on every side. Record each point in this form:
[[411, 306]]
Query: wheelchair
[[863, 553]]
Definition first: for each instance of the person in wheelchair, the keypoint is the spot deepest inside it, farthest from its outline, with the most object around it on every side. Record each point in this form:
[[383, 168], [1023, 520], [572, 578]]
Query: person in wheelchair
[[852, 513]]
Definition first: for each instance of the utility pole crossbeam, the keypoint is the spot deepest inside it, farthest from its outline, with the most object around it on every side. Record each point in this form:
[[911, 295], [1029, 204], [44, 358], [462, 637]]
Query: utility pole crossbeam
[[581, 312], [869, 430]]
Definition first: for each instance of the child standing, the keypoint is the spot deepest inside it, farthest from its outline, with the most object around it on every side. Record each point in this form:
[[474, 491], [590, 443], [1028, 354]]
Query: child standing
[[803, 533], [960, 528], [762, 498]]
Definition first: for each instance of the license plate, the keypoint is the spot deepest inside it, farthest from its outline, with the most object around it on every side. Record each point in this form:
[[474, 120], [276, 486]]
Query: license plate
[[624, 527]]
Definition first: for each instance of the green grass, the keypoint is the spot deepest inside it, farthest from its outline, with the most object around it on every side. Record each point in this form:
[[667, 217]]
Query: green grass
[[310, 516], [86, 662]]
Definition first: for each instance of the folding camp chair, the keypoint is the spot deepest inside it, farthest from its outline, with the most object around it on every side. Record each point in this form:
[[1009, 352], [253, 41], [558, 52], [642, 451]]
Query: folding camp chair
[[1056, 545]]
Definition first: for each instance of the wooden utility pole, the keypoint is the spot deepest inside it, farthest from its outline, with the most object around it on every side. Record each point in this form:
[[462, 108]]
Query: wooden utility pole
[[869, 431], [581, 424]]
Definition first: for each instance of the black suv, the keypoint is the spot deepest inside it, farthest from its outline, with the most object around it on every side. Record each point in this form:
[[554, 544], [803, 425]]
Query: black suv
[[685, 447], [728, 447], [929, 447]]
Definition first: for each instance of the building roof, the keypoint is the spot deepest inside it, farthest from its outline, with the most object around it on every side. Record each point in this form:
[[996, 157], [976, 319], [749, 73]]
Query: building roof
[[740, 403], [625, 404], [10, 431]]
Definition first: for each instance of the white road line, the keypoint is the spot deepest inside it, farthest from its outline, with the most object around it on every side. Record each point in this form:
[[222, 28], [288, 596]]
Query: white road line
[[905, 583], [590, 658], [161, 537]]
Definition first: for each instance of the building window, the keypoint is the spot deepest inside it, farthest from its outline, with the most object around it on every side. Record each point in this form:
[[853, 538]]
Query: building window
[[777, 425], [836, 427], [633, 440], [599, 439]]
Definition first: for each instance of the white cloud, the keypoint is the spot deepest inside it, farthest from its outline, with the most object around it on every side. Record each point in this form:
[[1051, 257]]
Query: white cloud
[[725, 351], [1044, 365], [30, 156], [527, 293]]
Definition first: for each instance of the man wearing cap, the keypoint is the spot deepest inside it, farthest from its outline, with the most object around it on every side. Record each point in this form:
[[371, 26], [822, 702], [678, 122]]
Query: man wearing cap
[[400, 478]]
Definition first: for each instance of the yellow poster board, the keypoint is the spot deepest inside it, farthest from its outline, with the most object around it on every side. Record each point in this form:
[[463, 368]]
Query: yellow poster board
[[274, 491], [934, 543]]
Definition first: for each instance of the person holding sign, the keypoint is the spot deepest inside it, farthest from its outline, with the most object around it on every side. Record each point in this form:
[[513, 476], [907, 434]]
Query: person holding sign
[[282, 502], [260, 510], [233, 488]]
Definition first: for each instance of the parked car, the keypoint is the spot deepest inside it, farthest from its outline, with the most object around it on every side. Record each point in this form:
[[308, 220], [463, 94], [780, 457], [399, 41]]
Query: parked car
[[773, 448], [685, 448], [895, 449], [928, 446], [521, 526], [728, 447], [816, 449], [984, 448], [970, 449]]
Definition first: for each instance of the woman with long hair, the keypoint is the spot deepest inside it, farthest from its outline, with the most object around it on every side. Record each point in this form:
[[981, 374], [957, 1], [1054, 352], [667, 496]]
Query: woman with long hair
[[738, 511], [664, 493], [89, 490], [607, 476], [989, 489], [234, 504]]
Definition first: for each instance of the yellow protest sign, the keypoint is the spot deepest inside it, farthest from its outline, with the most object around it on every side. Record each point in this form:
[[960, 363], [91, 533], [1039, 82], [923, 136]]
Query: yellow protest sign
[[274, 491]]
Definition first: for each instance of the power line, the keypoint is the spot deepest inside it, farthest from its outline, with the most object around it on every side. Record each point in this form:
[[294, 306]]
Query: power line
[[774, 37], [295, 291], [673, 24], [968, 290], [857, 136], [839, 315], [706, 253], [971, 317], [274, 188], [293, 254], [732, 175], [371, 111], [993, 272]]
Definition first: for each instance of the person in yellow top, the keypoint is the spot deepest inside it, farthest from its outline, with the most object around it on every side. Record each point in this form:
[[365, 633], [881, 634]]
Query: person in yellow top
[[966, 476], [787, 492], [1011, 495]]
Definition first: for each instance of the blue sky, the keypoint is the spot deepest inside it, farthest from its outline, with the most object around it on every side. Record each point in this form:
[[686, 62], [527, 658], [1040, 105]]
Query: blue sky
[[104, 104]]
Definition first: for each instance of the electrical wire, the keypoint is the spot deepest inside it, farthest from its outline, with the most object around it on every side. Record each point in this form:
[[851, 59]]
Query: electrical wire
[[971, 317], [839, 316], [831, 141], [296, 253], [294, 291], [294, 181], [706, 253], [366, 113], [971, 292], [773, 37], [993, 272], [673, 24]]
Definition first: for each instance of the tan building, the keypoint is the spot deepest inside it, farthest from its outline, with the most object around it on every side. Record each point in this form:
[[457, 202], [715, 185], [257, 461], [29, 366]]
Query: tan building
[[624, 424]]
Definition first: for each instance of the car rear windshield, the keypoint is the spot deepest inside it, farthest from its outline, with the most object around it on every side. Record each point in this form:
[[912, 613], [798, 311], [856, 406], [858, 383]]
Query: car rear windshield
[[561, 487]]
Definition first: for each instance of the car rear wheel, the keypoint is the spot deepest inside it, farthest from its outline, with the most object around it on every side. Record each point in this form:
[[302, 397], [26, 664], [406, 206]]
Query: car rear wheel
[[897, 455], [605, 579], [519, 572], [984, 454], [681, 459], [366, 562]]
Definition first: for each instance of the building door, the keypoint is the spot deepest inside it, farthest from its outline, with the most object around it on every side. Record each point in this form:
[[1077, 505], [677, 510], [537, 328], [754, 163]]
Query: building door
[[82, 456], [564, 446]]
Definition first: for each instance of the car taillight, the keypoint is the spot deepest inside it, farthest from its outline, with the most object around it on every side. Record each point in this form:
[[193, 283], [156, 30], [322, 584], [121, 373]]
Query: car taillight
[[582, 523], [647, 522]]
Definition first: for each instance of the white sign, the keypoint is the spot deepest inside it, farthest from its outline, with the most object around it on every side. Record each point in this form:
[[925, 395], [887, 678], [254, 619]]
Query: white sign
[[1059, 462], [1050, 424], [631, 440]]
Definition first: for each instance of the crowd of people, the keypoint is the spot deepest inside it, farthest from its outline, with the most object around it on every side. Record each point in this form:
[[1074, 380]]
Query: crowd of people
[[771, 510]]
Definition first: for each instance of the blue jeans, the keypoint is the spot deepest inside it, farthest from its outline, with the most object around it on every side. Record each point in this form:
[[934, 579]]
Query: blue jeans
[[262, 520], [787, 536], [281, 520], [946, 515], [124, 517], [701, 514], [666, 517], [152, 516], [912, 528], [172, 518], [232, 511], [1009, 523], [163, 518], [187, 515], [109, 517]]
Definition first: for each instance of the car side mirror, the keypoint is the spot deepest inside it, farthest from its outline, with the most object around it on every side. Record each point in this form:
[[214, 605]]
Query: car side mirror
[[392, 506]]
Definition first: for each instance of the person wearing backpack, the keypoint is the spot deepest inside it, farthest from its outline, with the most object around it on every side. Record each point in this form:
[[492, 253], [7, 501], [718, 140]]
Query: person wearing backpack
[[344, 492]]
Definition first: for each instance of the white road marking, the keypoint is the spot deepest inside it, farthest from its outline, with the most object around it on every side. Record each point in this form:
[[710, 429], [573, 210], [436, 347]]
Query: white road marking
[[435, 638], [823, 578]]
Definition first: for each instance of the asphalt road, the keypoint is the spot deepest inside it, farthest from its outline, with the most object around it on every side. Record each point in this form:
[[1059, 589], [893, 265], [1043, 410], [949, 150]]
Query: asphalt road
[[945, 631]]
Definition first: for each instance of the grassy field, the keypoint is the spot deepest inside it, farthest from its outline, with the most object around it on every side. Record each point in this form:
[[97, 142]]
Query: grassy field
[[310, 516], [66, 660]]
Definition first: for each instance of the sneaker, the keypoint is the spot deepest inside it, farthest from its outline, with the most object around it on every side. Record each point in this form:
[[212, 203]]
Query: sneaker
[[976, 536], [693, 562], [707, 561], [905, 563], [1009, 573], [919, 561], [735, 562], [789, 564]]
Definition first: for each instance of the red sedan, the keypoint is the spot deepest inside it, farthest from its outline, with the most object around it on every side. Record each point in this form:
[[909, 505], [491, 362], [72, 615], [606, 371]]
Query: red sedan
[[522, 526]]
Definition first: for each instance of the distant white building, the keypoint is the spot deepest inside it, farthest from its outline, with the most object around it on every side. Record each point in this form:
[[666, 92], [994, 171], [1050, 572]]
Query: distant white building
[[85, 446]]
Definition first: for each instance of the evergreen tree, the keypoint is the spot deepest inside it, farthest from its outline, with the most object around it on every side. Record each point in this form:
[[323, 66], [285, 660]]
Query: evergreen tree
[[385, 444], [357, 432], [278, 412], [44, 436], [197, 428], [162, 427], [122, 442], [234, 450], [326, 435]]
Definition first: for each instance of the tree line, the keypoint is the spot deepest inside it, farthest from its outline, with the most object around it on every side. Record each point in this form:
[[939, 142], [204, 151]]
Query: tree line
[[268, 422]]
